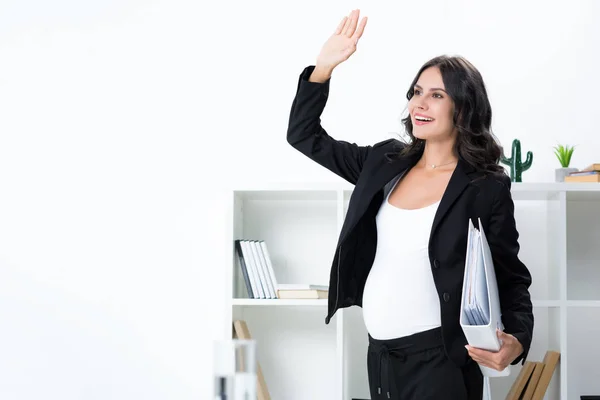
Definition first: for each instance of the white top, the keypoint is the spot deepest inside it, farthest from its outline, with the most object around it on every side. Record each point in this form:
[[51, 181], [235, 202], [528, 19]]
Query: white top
[[400, 297]]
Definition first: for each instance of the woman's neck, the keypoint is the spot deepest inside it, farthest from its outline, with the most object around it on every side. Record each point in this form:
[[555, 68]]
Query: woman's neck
[[438, 154]]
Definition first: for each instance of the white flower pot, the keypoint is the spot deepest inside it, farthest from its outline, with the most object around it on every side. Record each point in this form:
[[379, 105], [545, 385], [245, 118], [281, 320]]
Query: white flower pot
[[560, 173]]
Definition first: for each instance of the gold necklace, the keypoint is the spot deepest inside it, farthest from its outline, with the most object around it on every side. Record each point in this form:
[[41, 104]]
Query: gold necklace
[[434, 166]]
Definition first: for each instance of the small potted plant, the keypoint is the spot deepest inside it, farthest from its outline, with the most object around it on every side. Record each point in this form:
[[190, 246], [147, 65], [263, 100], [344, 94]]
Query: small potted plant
[[564, 154]]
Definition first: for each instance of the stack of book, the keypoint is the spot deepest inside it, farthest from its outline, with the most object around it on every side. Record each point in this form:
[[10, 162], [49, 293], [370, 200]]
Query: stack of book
[[589, 174], [259, 276]]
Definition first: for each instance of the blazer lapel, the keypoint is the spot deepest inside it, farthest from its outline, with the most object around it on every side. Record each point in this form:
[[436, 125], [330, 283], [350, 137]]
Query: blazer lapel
[[384, 178], [390, 173], [390, 185], [457, 184]]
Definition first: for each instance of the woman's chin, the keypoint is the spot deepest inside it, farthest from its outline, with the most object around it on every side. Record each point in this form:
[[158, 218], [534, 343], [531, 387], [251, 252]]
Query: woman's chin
[[425, 135], [420, 135]]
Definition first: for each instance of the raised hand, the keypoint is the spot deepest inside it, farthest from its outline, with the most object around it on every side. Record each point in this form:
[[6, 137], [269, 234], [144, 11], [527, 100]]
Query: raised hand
[[342, 44]]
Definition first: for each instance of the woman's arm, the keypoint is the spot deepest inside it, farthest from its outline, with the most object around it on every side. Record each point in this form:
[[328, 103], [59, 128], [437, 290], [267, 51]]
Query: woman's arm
[[306, 134], [513, 277]]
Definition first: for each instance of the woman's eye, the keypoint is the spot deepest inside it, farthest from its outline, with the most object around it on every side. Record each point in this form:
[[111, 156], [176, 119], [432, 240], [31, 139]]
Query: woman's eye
[[417, 91], [438, 96]]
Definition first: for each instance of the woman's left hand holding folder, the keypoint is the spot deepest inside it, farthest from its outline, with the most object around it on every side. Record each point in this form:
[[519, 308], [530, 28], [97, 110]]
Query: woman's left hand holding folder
[[511, 348]]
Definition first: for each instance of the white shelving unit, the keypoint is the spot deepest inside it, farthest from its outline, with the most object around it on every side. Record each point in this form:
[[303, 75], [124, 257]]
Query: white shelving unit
[[302, 358]]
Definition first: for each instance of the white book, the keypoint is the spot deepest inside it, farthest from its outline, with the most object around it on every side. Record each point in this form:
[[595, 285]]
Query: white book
[[301, 286], [264, 273], [252, 270], [269, 263], [480, 313]]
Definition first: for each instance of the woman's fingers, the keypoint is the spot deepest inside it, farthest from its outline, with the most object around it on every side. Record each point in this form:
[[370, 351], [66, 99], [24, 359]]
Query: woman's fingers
[[341, 26], [353, 22], [487, 359], [360, 30], [350, 24]]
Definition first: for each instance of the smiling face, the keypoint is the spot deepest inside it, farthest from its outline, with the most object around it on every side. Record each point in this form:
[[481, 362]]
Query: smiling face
[[431, 108]]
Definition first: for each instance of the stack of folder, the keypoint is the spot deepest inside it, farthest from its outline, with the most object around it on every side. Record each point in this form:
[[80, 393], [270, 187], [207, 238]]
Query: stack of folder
[[480, 314]]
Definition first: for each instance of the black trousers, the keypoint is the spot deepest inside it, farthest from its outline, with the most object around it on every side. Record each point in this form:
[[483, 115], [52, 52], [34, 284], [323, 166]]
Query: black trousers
[[416, 367]]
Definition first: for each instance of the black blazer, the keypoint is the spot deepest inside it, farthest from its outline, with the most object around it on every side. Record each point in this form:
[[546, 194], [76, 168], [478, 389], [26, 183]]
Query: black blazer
[[470, 194]]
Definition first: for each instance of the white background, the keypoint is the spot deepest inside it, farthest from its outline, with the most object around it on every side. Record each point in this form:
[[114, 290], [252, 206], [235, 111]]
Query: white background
[[122, 124]]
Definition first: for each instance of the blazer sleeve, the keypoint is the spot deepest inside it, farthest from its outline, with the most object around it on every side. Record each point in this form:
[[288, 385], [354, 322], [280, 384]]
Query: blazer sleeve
[[512, 276], [306, 134]]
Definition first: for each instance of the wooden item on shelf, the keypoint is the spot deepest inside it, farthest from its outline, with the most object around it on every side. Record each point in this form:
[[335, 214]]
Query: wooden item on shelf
[[550, 361], [241, 331], [302, 294], [533, 381], [521, 381], [592, 167], [590, 177], [302, 291]]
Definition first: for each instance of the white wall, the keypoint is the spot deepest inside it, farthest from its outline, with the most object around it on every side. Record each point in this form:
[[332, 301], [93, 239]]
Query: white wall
[[122, 121]]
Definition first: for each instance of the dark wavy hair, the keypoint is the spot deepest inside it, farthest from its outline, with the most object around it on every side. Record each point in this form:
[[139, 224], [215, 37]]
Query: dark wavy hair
[[475, 142]]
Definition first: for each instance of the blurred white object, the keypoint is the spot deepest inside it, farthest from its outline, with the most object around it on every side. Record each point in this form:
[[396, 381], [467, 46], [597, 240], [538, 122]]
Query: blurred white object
[[487, 391], [234, 368]]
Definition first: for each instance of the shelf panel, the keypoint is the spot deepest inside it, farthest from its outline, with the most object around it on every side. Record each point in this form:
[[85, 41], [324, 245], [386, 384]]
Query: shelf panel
[[583, 252], [549, 190], [520, 190], [583, 303], [546, 303], [583, 192], [581, 360], [286, 195], [323, 302], [296, 351], [279, 302]]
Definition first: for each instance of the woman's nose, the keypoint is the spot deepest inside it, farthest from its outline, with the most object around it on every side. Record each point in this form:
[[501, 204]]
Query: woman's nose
[[420, 104]]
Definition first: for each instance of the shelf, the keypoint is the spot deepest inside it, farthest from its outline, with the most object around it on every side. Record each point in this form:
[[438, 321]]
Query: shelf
[[581, 362], [323, 302], [279, 302], [546, 303], [342, 185], [551, 191], [583, 303], [298, 194], [327, 191], [583, 252], [300, 222], [295, 349]]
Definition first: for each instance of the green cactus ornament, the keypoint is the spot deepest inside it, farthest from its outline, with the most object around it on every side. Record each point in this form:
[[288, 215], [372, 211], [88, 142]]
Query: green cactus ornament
[[514, 162]]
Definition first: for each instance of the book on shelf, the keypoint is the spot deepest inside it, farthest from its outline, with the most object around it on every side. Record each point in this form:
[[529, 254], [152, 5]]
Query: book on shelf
[[586, 177], [591, 173], [302, 291], [592, 167], [259, 275]]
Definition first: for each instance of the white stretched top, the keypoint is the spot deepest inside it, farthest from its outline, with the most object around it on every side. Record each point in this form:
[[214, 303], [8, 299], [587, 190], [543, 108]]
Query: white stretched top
[[400, 297]]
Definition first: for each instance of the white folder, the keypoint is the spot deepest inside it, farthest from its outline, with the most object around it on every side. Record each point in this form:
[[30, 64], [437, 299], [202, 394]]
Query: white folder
[[480, 303]]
